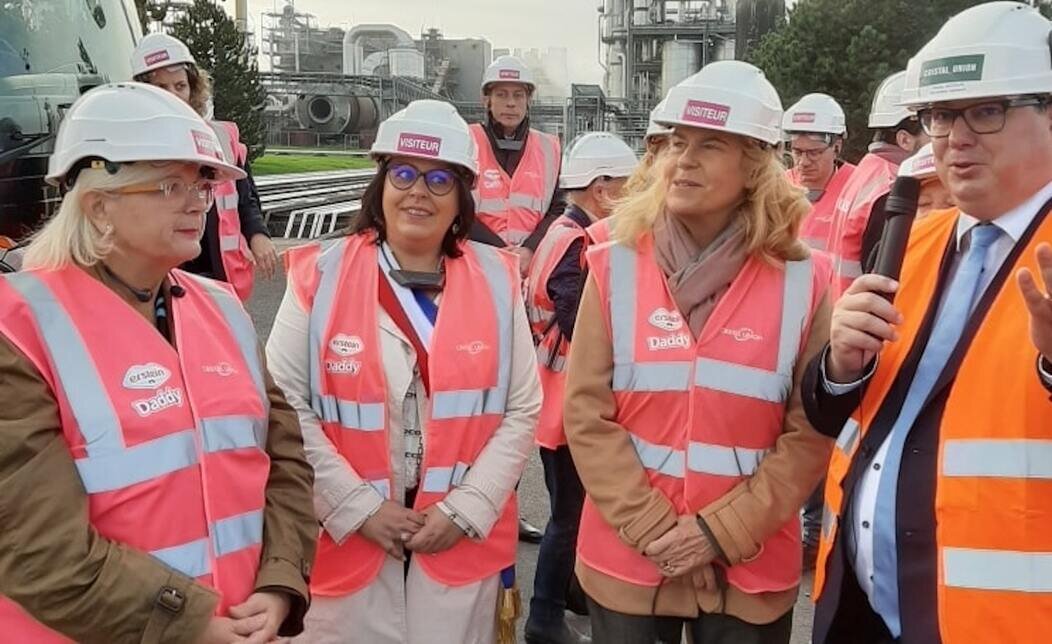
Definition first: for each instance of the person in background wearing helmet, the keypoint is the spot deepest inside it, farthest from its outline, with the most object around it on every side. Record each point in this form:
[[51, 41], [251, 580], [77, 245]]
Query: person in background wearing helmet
[[516, 193], [815, 128], [236, 240], [407, 352], [934, 194], [938, 512], [154, 483], [594, 173], [859, 220], [682, 407], [656, 141]]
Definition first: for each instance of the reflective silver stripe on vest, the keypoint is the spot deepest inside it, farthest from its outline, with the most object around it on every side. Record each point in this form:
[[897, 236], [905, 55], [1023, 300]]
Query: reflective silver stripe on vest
[[233, 432], [742, 380], [476, 402], [191, 558], [1003, 570], [814, 243], [551, 171], [796, 304], [660, 458], [848, 269], [1017, 459], [363, 417], [623, 270], [652, 376], [227, 201], [523, 200], [720, 460], [828, 521], [491, 205], [439, 480], [382, 486], [121, 468], [237, 533], [74, 367], [556, 363], [229, 243], [848, 438]]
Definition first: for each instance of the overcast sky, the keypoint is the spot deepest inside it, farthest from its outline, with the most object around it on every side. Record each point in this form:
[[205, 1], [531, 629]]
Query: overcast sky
[[504, 23]]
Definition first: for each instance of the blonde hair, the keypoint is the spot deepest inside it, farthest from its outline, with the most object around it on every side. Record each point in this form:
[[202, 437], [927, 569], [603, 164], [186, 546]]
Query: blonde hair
[[70, 237], [640, 178], [772, 208]]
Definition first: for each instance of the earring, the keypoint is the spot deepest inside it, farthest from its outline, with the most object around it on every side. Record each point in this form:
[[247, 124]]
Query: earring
[[107, 231]]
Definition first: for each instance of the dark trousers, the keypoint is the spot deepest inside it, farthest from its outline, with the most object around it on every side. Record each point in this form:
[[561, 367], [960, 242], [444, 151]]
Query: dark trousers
[[555, 561], [610, 627], [812, 520]]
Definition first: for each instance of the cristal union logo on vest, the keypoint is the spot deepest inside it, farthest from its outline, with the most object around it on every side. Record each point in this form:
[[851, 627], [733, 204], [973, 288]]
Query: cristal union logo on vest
[[473, 348], [744, 334], [157, 57], [346, 345], [666, 320], [706, 113], [419, 144], [164, 399], [146, 376]]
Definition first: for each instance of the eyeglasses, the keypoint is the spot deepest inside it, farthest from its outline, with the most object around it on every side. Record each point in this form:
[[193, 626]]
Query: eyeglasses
[[439, 181], [811, 155], [983, 118], [174, 190]]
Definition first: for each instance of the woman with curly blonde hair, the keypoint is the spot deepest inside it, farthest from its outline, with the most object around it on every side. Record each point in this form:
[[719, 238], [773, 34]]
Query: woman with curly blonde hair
[[683, 413]]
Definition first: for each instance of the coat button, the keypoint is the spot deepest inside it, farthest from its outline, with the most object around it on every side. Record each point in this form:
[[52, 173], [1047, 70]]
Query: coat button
[[876, 466], [865, 524]]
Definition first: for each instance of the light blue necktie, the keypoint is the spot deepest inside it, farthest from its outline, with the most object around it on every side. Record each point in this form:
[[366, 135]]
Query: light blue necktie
[[945, 334]]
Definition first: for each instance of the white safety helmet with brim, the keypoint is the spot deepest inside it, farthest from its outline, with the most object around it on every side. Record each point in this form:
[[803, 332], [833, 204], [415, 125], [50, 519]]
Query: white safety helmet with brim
[[653, 128], [594, 155], [815, 114], [920, 165], [155, 51], [427, 129], [997, 49], [887, 110], [132, 122], [726, 96], [508, 69]]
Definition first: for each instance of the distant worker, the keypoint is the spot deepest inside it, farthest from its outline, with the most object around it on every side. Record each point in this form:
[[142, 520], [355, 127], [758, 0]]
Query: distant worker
[[682, 409], [816, 131], [897, 134], [155, 487], [938, 506], [594, 173], [515, 195], [934, 195], [407, 352], [236, 240], [656, 141]]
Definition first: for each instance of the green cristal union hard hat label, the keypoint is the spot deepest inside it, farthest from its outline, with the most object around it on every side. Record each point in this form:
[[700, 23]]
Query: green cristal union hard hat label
[[954, 69]]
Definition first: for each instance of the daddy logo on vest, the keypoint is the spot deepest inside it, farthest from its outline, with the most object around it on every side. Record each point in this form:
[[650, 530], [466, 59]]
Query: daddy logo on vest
[[706, 113], [146, 376], [744, 334], [346, 345], [678, 341], [666, 320], [419, 144], [343, 367], [164, 399]]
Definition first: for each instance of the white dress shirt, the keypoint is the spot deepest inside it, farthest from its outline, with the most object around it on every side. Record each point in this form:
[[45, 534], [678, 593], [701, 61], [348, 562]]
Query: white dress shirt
[[1013, 224]]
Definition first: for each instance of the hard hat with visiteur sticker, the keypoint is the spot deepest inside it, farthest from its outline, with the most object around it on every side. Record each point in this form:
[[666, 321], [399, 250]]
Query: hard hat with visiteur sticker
[[428, 129], [155, 51]]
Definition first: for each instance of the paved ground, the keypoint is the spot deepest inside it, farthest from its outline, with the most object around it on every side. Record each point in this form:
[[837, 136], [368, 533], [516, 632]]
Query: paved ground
[[533, 496]]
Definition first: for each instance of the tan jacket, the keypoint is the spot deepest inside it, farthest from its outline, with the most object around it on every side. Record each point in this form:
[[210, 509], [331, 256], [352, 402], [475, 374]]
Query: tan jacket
[[616, 482], [71, 579]]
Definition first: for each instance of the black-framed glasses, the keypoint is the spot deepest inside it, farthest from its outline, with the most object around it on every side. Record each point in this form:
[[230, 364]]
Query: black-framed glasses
[[439, 181], [812, 155], [982, 118]]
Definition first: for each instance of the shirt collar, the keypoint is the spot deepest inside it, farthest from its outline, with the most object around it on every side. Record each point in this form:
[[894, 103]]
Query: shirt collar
[[1014, 222]]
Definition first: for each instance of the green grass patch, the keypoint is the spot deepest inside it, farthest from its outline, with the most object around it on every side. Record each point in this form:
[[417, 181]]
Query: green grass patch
[[290, 163]]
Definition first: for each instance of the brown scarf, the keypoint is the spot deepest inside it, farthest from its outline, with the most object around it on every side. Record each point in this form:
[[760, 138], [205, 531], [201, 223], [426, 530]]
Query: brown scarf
[[698, 277]]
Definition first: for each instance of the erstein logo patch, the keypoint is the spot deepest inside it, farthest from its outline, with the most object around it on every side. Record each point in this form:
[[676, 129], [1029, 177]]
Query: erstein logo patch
[[146, 376], [346, 345], [666, 320]]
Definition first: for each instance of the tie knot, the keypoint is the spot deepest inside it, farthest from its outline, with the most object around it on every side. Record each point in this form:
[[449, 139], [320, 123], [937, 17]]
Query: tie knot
[[984, 235]]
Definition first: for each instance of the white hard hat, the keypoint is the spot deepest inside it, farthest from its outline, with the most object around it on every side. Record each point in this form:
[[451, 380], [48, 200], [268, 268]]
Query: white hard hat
[[919, 166], [155, 51], [989, 50], [653, 129], [594, 155], [887, 110], [815, 114], [427, 129], [728, 96], [129, 122], [507, 69]]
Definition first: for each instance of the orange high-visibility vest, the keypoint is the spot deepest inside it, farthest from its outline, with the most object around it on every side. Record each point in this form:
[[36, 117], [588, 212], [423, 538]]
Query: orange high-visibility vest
[[170, 446], [470, 372], [817, 228], [870, 181], [552, 347], [993, 501], [702, 413], [512, 206], [233, 247]]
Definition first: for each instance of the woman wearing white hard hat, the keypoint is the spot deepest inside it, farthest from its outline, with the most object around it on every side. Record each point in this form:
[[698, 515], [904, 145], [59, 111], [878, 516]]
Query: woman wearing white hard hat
[[236, 240], [155, 486], [406, 351], [682, 411]]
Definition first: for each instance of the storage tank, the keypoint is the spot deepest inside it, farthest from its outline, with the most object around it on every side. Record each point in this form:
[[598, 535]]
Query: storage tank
[[327, 110], [640, 12], [406, 61], [679, 60], [615, 71]]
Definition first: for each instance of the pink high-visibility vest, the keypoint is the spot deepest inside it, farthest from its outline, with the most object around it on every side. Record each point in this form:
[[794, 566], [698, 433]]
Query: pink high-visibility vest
[[817, 228], [233, 247]]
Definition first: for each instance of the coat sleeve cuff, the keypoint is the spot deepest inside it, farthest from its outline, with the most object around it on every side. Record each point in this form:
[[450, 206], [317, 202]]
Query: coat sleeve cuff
[[657, 518], [349, 515], [181, 612], [729, 534], [277, 575], [474, 508]]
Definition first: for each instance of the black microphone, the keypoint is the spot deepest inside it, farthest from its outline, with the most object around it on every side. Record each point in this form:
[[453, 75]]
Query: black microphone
[[900, 209]]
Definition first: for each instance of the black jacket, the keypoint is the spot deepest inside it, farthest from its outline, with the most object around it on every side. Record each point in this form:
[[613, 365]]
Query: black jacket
[[209, 263]]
